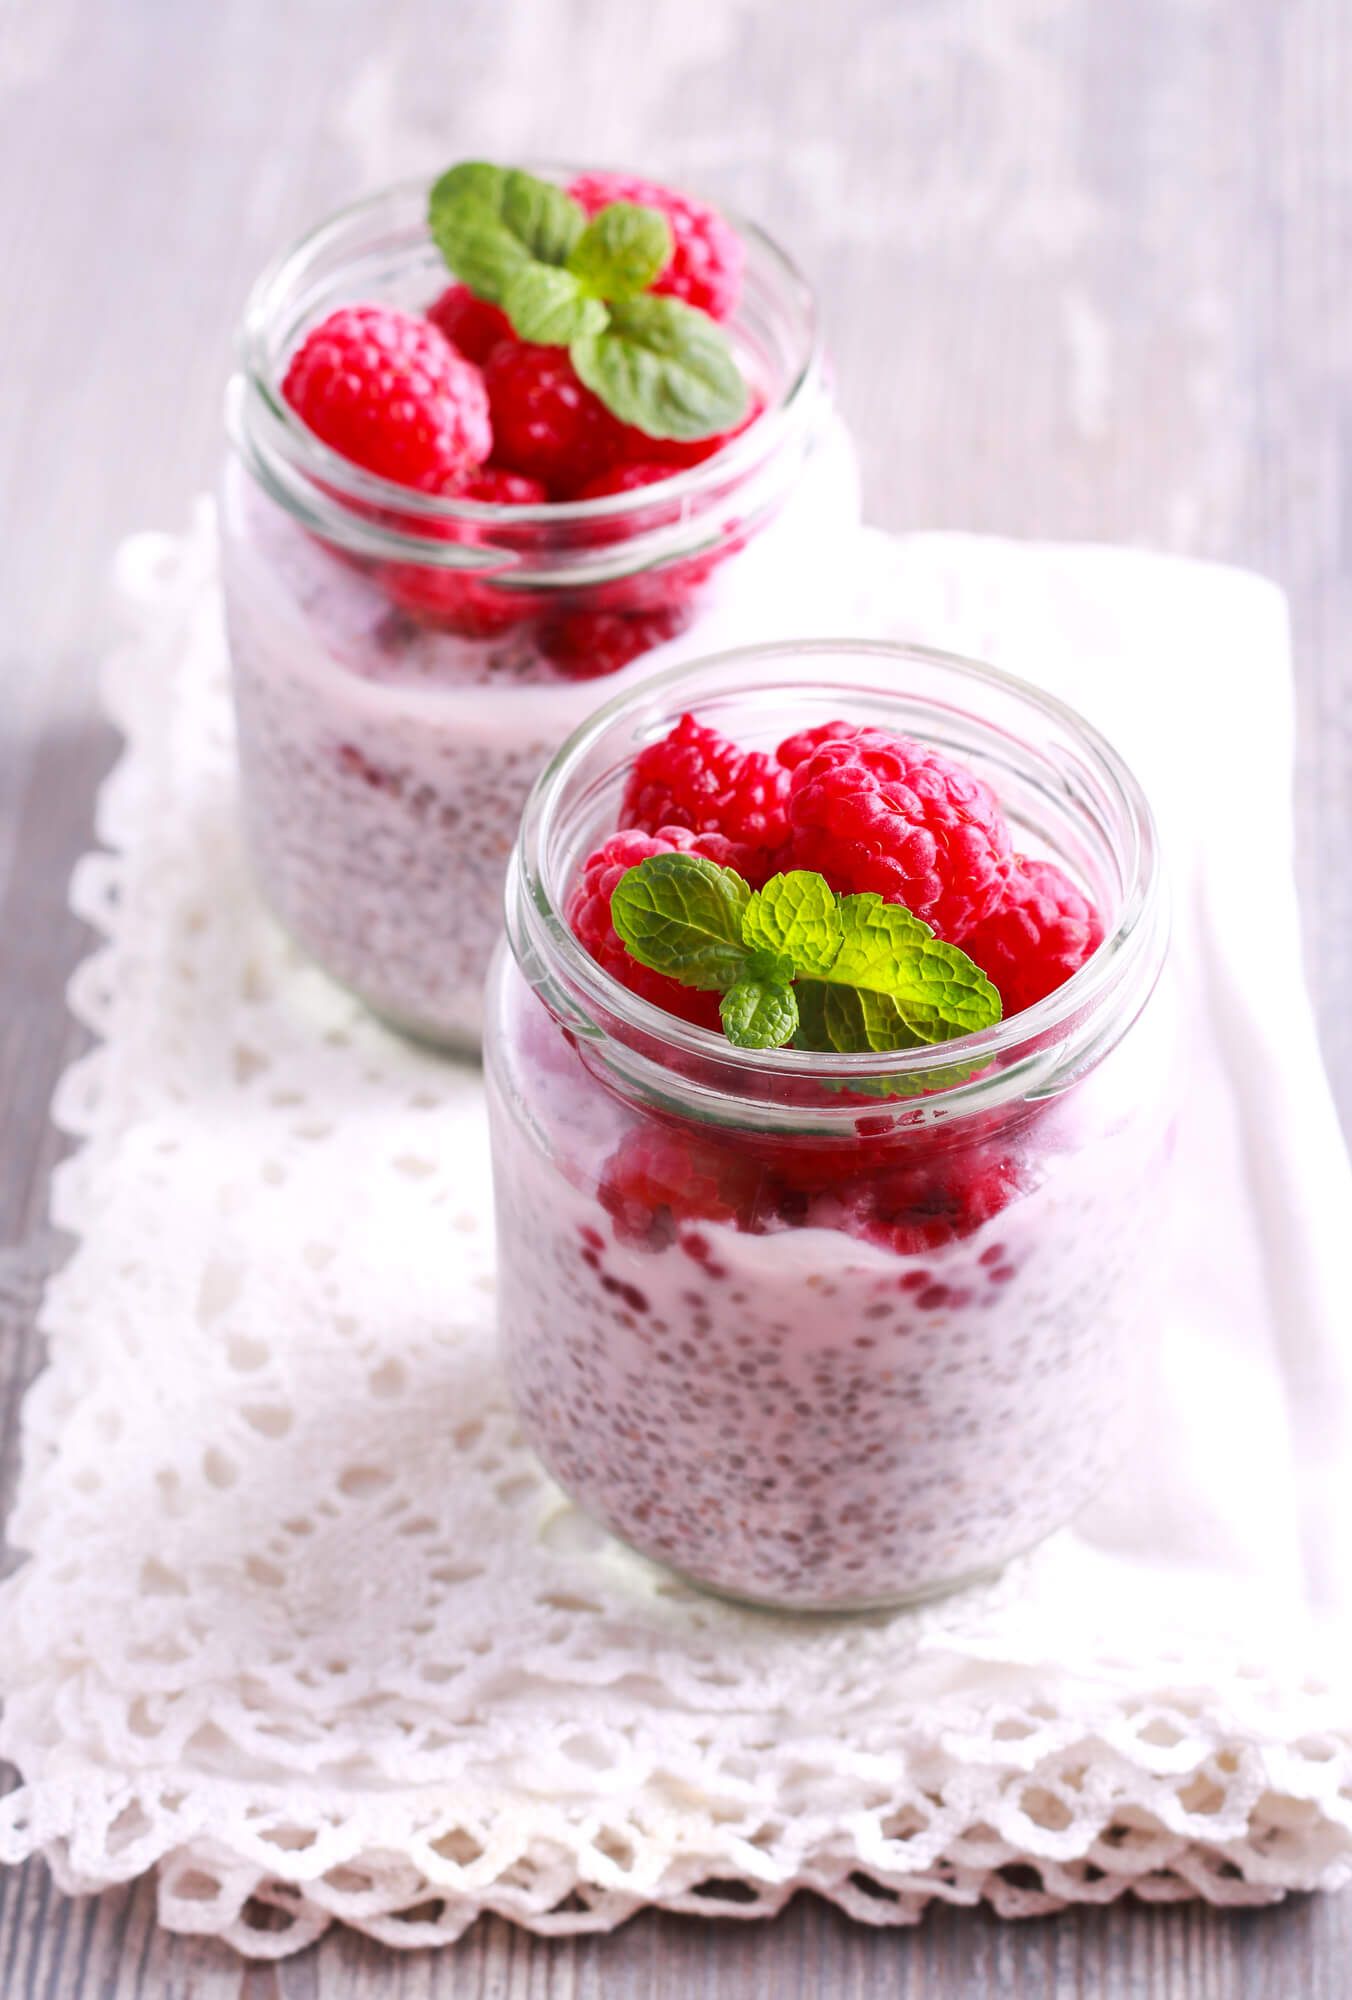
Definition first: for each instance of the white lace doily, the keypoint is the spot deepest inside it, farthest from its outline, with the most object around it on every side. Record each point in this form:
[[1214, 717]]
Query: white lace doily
[[302, 1623]]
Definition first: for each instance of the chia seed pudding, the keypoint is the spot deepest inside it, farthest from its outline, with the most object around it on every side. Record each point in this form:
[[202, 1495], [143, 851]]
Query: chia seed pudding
[[814, 1336], [405, 662]]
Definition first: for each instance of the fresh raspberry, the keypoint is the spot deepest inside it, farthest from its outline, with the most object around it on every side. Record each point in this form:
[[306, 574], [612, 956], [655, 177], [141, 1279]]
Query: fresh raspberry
[[657, 1179], [588, 913], [496, 487], [587, 645], [390, 393], [706, 263], [472, 325], [545, 421], [1043, 930], [465, 601], [876, 811], [626, 477], [696, 778]]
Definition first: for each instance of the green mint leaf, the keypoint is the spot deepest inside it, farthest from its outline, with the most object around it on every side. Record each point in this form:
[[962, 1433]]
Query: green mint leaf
[[935, 987], [845, 1020], [622, 249], [663, 367], [542, 216], [759, 1014], [491, 222], [682, 914], [795, 915], [548, 305]]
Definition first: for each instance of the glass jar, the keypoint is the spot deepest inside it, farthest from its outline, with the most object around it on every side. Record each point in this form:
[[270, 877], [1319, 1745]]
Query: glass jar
[[404, 665], [828, 1332]]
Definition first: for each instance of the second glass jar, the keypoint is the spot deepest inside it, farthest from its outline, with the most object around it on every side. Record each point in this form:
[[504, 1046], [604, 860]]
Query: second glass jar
[[832, 1331]]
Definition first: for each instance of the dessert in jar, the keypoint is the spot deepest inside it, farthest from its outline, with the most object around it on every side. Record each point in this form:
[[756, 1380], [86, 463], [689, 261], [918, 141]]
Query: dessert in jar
[[499, 451], [829, 1083]]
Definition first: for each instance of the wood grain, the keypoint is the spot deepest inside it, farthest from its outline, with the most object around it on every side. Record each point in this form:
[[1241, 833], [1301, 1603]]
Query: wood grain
[[1087, 267]]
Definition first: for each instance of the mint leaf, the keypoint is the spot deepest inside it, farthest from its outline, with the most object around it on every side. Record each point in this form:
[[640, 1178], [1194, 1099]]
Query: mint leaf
[[796, 915], [663, 367], [759, 1014], [491, 222], [935, 987], [542, 216], [682, 914], [844, 1020], [548, 305], [622, 250]]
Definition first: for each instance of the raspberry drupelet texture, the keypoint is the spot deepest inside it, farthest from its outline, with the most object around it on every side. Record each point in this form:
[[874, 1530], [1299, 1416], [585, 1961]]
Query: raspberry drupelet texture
[[546, 422], [697, 778], [705, 268], [1043, 930], [587, 645], [472, 325], [390, 393], [875, 811], [588, 914], [657, 1178]]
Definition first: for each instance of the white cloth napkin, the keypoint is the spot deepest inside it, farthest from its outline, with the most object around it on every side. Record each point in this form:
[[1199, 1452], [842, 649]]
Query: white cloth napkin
[[303, 1624]]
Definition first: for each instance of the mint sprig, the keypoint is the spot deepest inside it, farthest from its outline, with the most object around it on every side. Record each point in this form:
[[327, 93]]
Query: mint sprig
[[797, 963], [527, 246]]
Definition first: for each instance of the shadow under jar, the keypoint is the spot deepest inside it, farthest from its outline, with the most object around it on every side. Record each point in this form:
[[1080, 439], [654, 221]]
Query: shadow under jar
[[711, 1348], [403, 665]]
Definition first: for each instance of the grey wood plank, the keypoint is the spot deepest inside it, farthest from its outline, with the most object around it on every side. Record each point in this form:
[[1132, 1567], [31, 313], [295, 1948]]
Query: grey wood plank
[[1087, 268]]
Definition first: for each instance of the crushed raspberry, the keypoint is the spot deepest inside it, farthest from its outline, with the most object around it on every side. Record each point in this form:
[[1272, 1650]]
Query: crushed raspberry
[[697, 778], [1042, 931], [919, 1204], [588, 914], [707, 258], [463, 601], [586, 645], [389, 392], [657, 1178], [877, 811], [472, 325], [546, 422]]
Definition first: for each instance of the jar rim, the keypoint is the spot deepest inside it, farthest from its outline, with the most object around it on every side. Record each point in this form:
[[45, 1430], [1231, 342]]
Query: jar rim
[[284, 433], [1129, 957]]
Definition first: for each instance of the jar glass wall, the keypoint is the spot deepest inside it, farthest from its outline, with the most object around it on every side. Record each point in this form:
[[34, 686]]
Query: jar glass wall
[[404, 664], [714, 1347]]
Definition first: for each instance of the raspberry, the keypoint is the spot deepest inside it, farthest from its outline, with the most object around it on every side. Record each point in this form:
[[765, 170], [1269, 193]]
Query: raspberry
[[465, 601], [875, 811], [706, 262], [921, 1205], [545, 421], [390, 393], [698, 779], [589, 914], [496, 487], [626, 477], [1043, 930], [586, 645], [472, 325], [657, 1178]]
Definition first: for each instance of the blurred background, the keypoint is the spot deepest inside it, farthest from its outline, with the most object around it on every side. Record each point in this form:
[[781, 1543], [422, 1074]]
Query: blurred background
[[1085, 267]]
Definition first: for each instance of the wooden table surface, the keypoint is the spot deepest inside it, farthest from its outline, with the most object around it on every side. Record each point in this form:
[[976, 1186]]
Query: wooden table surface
[[1087, 270]]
